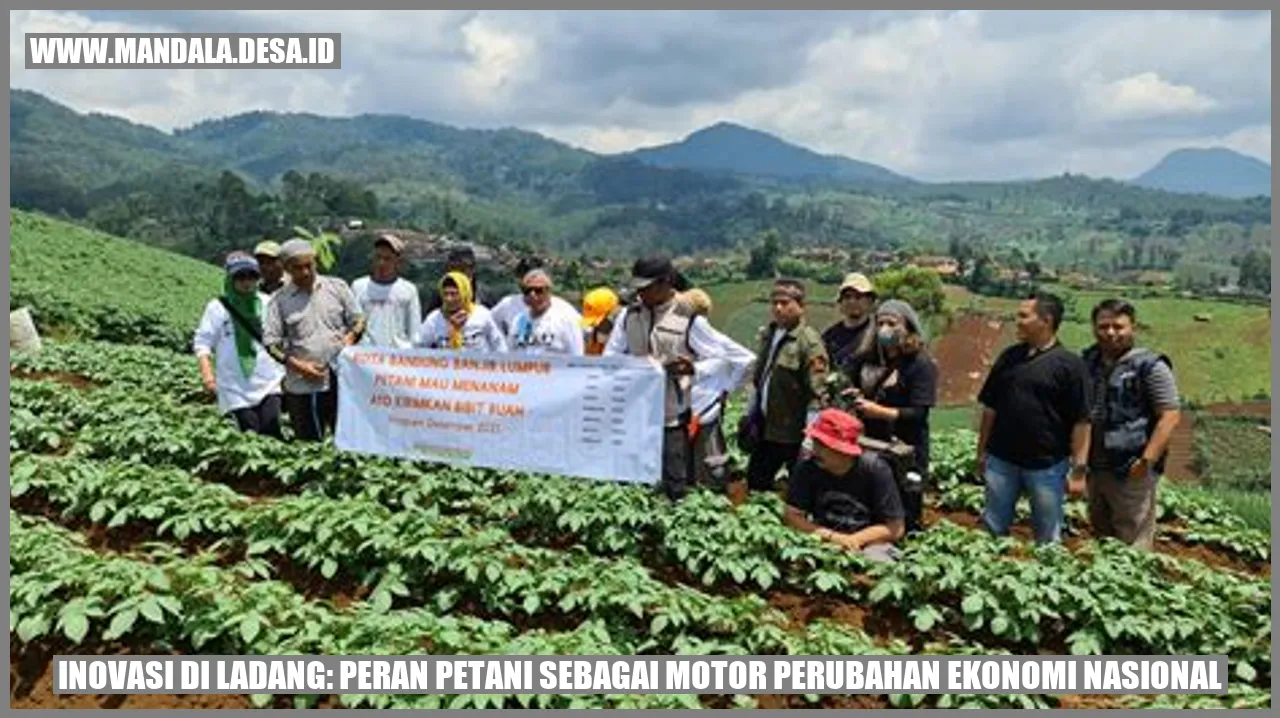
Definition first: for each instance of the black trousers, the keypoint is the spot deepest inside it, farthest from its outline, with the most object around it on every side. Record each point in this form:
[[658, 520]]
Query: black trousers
[[766, 460], [312, 415], [677, 462], [261, 419]]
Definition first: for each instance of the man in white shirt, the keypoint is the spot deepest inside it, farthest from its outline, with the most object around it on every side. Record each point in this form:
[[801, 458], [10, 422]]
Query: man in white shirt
[[658, 325], [504, 313], [543, 325], [392, 308], [460, 323], [710, 392]]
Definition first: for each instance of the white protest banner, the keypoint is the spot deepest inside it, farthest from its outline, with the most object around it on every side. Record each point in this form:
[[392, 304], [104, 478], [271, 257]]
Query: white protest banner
[[594, 417]]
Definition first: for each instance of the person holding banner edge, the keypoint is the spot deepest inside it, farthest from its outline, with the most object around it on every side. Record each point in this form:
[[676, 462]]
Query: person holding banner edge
[[659, 326], [308, 324]]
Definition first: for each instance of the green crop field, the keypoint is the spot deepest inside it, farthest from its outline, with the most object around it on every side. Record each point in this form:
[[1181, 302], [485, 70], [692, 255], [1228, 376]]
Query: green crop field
[[93, 285], [142, 521]]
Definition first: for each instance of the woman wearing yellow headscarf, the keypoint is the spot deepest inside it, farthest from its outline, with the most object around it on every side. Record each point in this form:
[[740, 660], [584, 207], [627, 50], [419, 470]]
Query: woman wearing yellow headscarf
[[459, 323]]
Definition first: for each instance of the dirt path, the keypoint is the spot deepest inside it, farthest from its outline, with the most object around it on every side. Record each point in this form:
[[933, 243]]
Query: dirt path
[[965, 353]]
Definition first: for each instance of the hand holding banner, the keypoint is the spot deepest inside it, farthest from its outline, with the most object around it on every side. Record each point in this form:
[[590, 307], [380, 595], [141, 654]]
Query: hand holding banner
[[593, 417]]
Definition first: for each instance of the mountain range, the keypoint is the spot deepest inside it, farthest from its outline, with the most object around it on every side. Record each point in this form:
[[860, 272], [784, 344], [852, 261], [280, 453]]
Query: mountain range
[[714, 189]]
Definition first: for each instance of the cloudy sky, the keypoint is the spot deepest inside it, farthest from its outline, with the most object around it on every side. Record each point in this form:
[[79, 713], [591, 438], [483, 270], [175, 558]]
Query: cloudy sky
[[935, 95]]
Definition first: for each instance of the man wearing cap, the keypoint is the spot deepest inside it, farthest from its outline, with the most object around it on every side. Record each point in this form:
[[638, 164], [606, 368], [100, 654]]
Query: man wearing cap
[[390, 303], [543, 325], [504, 313], [660, 326], [308, 324], [234, 366], [844, 495], [268, 255], [599, 312], [462, 259], [789, 387], [853, 336]]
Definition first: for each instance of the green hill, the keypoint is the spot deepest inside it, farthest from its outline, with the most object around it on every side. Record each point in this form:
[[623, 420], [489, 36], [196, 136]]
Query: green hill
[[1214, 170], [718, 190], [726, 147], [91, 285]]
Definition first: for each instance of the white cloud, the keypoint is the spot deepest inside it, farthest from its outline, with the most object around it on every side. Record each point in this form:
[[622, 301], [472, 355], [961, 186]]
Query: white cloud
[[1144, 95], [937, 95]]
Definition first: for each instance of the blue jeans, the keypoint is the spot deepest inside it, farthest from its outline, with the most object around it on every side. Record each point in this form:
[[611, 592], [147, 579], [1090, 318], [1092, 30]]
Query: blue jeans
[[1047, 489]]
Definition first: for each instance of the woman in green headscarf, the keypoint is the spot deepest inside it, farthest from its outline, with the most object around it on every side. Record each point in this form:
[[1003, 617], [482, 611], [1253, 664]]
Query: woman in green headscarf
[[247, 380]]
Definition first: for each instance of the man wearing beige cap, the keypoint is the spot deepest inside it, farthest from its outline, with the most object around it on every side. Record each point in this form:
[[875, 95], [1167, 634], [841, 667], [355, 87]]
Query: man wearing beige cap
[[391, 306], [853, 336], [268, 255]]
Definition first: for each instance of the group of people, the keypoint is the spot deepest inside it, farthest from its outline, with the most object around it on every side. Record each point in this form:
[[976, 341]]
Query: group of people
[[823, 406]]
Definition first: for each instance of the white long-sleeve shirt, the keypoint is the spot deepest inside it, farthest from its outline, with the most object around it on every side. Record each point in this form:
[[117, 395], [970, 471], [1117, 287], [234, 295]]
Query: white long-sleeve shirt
[[479, 333], [215, 336], [557, 331], [392, 312], [734, 366], [703, 340]]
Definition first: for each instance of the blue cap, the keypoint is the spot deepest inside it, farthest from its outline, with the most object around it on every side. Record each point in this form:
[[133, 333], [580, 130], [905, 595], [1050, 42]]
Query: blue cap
[[240, 263]]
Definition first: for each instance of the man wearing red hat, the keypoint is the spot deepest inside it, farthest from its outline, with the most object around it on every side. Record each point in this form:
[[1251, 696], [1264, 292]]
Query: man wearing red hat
[[845, 495]]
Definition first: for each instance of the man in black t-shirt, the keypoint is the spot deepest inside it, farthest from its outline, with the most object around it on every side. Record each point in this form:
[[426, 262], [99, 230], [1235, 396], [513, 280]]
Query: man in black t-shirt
[[1035, 423], [844, 495]]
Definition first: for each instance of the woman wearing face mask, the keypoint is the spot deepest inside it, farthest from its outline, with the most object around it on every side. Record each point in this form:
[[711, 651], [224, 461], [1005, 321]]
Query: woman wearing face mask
[[898, 385]]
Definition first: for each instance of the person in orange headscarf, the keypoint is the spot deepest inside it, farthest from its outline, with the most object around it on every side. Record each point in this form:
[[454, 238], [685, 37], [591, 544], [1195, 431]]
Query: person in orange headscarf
[[459, 323]]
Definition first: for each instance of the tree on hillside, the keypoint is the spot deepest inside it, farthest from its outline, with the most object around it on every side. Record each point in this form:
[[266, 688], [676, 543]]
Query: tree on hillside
[[921, 288], [763, 261], [1255, 271]]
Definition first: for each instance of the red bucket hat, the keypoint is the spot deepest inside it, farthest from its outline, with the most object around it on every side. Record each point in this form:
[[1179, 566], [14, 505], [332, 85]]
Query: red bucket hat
[[838, 430]]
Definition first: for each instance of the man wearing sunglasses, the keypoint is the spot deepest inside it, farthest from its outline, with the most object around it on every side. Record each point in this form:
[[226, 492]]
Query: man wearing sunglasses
[[545, 325]]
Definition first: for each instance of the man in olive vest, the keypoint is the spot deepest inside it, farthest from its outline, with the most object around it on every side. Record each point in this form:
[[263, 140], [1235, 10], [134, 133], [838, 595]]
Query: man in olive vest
[[658, 325], [789, 383], [1135, 411]]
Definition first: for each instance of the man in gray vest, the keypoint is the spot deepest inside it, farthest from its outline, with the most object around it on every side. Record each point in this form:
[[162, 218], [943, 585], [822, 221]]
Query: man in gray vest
[[1135, 411], [658, 325]]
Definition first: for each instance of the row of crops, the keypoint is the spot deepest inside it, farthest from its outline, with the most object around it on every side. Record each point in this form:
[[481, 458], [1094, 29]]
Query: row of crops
[[141, 518]]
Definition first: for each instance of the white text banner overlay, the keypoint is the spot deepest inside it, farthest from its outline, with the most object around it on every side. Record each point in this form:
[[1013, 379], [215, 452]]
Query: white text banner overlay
[[591, 417], [49, 51], [1055, 675]]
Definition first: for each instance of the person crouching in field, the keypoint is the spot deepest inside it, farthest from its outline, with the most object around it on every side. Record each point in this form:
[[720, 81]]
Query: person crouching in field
[[544, 325], [459, 323], [309, 322], [710, 393], [1135, 410], [843, 494], [247, 379]]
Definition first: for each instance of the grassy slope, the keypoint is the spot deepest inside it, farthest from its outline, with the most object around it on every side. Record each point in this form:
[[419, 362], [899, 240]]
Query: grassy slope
[[94, 285], [1225, 359]]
